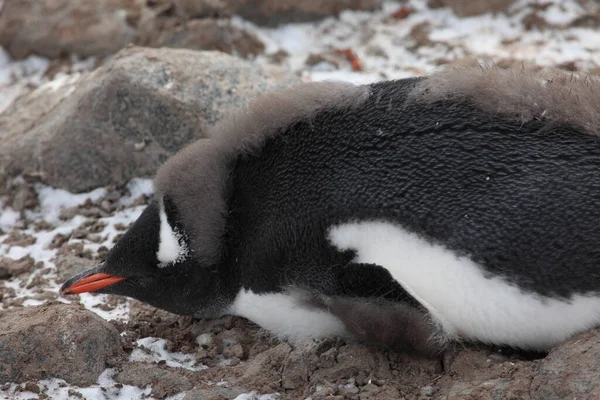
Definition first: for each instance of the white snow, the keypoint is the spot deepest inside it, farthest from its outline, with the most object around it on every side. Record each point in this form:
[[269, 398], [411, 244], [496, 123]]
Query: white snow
[[153, 349], [52, 200], [256, 396], [137, 187], [8, 218], [482, 37], [384, 46], [105, 389]]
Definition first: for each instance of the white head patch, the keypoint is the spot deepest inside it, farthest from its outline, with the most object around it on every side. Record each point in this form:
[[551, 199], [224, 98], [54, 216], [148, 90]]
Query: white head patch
[[172, 247]]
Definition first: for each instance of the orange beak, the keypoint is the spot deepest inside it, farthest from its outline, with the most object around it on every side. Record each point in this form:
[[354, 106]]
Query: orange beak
[[92, 283]]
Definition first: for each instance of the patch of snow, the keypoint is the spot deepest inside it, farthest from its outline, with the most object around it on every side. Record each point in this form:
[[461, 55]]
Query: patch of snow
[[59, 81], [562, 14], [82, 64], [93, 302], [8, 218], [106, 389], [496, 36], [255, 396], [151, 349], [137, 187], [53, 200]]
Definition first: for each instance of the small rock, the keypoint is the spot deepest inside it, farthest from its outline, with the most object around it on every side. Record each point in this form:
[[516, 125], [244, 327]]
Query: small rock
[[316, 58], [204, 340], [16, 238], [427, 391], [32, 387], [461, 390], [327, 358], [57, 241], [235, 350], [215, 393], [264, 371], [165, 381], [25, 198], [468, 8], [68, 265], [56, 340], [497, 358], [370, 388], [348, 391], [10, 267], [324, 393], [296, 370]]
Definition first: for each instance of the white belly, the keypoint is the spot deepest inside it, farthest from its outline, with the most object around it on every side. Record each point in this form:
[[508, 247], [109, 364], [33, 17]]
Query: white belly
[[455, 291], [284, 315]]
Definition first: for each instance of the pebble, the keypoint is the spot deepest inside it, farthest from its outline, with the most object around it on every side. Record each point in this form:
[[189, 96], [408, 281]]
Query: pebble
[[427, 391], [204, 340]]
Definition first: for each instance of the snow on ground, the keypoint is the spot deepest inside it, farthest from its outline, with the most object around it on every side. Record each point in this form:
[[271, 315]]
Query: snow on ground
[[152, 349], [52, 203], [107, 388], [387, 48]]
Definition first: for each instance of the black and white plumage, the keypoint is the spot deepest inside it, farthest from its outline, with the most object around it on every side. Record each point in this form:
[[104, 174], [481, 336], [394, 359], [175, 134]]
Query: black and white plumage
[[462, 206]]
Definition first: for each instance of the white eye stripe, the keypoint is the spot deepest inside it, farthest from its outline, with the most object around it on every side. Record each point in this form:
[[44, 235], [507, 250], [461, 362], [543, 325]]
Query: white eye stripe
[[172, 246]]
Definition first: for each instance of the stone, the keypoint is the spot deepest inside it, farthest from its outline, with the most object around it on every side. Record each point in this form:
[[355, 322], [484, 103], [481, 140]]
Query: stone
[[272, 12], [164, 98], [296, 370], [469, 8], [234, 350], [165, 381], [571, 370], [56, 340], [10, 267], [52, 28], [68, 265], [206, 34], [204, 340], [215, 393]]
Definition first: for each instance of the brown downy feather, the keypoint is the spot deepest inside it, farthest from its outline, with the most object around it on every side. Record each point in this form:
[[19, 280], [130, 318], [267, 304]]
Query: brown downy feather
[[196, 177], [554, 96]]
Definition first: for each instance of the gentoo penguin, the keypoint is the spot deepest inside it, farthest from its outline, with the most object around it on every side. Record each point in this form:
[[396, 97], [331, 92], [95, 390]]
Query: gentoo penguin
[[412, 214]]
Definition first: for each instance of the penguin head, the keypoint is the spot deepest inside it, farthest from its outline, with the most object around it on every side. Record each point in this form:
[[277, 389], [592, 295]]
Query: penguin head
[[154, 262]]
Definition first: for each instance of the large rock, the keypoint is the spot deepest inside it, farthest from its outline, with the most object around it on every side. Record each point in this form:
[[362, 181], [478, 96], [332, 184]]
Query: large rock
[[272, 12], [56, 340], [571, 371], [53, 27], [126, 118]]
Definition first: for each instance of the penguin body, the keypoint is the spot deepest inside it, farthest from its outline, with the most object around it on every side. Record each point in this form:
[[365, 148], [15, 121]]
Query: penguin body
[[411, 213]]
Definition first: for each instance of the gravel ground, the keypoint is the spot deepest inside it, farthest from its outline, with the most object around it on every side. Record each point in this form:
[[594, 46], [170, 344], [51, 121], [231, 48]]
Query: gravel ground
[[53, 234]]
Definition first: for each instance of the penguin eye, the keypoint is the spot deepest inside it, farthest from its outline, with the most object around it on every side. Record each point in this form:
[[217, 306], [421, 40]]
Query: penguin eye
[[172, 245]]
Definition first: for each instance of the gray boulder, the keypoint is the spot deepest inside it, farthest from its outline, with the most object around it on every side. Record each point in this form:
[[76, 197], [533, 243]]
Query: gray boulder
[[571, 370], [53, 27], [56, 340], [127, 117]]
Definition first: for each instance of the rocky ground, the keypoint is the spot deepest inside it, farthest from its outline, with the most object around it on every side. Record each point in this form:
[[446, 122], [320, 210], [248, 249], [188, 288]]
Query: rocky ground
[[86, 119]]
